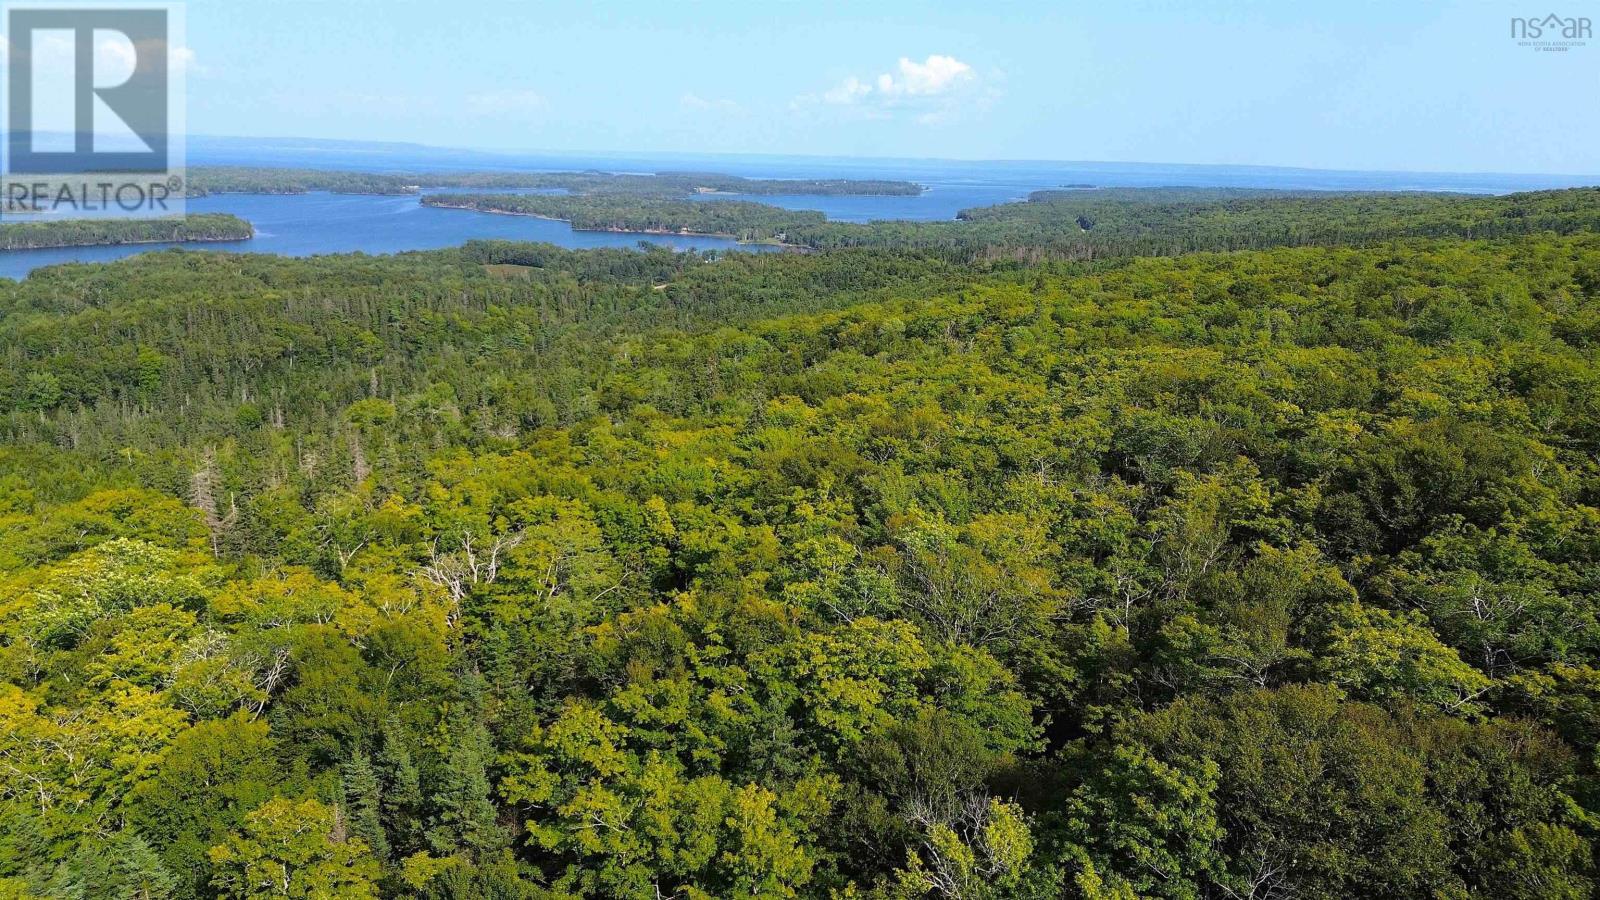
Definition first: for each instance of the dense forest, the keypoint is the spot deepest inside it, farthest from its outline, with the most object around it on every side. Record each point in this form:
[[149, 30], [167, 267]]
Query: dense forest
[[740, 219], [204, 180], [28, 235], [1166, 221], [975, 568], [1087, 224]]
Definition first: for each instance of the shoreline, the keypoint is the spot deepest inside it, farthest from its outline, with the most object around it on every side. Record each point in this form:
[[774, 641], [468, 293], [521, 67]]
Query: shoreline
[[222, 240], [657, 231]]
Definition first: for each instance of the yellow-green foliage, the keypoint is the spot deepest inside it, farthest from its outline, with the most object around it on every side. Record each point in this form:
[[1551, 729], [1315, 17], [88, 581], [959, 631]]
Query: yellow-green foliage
[[1270, 573]]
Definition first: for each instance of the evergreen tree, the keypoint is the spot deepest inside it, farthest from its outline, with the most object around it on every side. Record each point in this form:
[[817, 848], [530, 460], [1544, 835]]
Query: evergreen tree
[[464, 815], [122, 867], [363, 799], [400, 790]]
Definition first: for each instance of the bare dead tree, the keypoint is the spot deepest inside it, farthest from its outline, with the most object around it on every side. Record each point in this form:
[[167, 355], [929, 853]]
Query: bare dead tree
[[1266, 880], [203, 496], [466, 566], [359, 470]]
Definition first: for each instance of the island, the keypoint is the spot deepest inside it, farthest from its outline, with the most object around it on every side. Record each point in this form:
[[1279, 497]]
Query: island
[[207, 180], [205, 227], [740, 220], [1083, 224]]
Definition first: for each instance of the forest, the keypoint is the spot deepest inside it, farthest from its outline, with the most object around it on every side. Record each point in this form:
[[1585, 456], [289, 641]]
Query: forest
[[1027, 556], [1088, 223], [206, 180], [746, 221], [29, 235]]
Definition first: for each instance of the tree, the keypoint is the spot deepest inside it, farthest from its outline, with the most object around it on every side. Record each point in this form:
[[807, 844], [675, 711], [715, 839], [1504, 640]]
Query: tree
[[1540, 860], [464, 816], [982, 854], [1147, 825], [400, 793], [1379, 654], [293, 849], [363, 798], [121, 867], [201, 789]]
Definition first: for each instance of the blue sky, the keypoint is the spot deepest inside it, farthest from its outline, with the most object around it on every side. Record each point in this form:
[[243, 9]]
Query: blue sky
[[1395, 85]]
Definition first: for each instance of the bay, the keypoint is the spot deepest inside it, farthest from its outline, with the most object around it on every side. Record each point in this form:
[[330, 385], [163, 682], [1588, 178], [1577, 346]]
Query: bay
[[320, 223]]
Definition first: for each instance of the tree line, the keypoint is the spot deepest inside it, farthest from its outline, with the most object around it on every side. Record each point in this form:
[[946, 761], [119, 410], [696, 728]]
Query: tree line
[[1090, 223], [204, 180], [30, 235]]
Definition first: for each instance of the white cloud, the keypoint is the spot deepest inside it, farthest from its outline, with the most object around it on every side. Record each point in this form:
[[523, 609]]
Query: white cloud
[[55, 54], [697, 103], [115, 52], [184, 61], [505, 102], [114, 56], [935, 75], [847, 92], [937, 89]]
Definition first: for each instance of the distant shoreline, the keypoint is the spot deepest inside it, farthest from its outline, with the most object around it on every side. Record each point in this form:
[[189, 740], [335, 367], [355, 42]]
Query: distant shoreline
[[57, 234], [194, 240], [663, 232]]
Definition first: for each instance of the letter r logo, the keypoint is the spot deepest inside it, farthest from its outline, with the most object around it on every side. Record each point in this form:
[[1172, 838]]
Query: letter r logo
[[51, 66]]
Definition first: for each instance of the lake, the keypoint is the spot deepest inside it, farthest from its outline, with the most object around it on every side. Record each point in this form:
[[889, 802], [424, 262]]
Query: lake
[[317, 223]]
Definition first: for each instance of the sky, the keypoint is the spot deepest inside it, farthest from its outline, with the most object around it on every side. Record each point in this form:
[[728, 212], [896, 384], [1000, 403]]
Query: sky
[[1435, 85]]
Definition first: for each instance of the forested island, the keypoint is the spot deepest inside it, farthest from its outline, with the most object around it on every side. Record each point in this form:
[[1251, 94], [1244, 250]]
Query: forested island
[[205, 180], [48, 232], [1087, 223], [1022, 557], [739, 219]]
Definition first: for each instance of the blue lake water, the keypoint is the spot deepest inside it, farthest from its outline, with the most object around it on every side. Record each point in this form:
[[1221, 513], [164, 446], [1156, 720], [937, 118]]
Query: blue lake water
[[317, 223]]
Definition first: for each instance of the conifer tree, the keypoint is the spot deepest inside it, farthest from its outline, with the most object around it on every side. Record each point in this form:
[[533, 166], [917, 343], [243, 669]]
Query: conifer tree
[[464, 814], [363, 799], [400, 790]]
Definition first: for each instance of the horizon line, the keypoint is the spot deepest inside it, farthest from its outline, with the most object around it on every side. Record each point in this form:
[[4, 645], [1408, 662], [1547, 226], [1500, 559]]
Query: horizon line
[[506, 151]]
